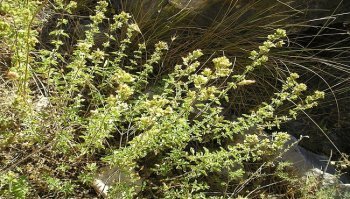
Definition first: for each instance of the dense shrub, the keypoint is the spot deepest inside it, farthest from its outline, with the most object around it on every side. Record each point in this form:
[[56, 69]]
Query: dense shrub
[[68, 111]]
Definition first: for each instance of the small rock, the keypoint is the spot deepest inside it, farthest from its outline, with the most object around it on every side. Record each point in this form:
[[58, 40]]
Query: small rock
[[42, 103], [109, 177]]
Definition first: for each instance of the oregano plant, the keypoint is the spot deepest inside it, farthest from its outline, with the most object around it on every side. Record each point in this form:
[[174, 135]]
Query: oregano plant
[[98, 106]]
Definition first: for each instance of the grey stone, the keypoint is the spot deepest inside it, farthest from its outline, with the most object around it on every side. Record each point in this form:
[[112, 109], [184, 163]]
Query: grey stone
[[42, 103], [307, 163], [107, 177]]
